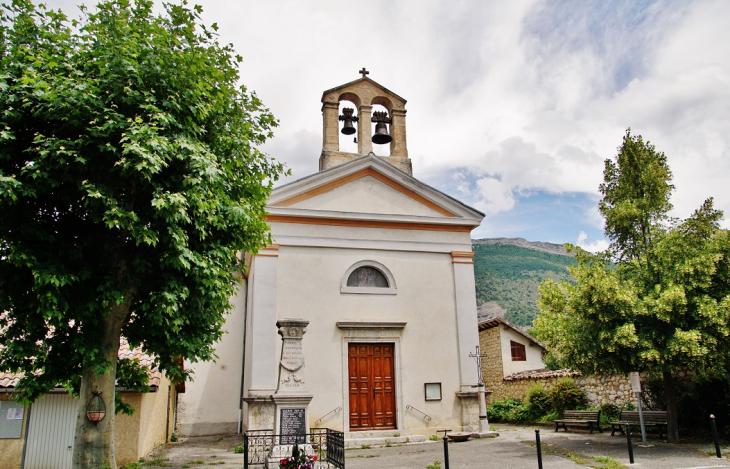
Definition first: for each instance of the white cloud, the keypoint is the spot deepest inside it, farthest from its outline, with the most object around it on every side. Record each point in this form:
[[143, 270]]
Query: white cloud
[[526, 96], [495, 196], [593, 246]]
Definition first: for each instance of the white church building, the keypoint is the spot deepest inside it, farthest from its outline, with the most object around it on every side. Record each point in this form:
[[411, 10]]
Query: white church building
[[370, 277]]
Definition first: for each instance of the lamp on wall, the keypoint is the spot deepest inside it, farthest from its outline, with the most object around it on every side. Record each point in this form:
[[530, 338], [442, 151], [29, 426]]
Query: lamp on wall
[[96, 409]]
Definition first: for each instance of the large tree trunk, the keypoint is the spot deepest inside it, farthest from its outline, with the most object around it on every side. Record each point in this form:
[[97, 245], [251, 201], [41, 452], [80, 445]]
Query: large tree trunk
[[672, 423], [94, 444]]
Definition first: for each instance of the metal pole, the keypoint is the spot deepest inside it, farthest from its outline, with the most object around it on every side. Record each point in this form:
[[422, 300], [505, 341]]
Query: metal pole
[[539, 448], [714, 433], [641, 418], [245, 450], [446, 449], [628, 442]]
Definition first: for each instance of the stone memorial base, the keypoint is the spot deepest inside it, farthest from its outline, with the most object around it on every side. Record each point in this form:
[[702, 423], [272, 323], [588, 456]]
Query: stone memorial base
[[470, 421], [261, 413]]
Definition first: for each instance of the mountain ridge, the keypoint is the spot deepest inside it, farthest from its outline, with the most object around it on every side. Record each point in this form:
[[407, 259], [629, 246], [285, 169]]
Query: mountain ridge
[[508, 273], [542, 246]]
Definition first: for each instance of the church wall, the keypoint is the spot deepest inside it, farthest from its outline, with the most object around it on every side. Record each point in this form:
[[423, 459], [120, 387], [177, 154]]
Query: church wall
[[309, 280], [210, 404]]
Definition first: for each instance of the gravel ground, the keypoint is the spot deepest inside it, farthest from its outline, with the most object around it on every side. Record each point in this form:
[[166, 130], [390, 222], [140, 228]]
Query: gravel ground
[[513, 449]]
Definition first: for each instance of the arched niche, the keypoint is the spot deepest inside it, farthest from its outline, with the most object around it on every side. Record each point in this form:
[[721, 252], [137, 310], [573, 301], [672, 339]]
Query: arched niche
[[348, 143], [368, 277]]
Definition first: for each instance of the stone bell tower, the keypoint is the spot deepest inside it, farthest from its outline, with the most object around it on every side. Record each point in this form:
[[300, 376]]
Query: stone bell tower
[[390, 125]]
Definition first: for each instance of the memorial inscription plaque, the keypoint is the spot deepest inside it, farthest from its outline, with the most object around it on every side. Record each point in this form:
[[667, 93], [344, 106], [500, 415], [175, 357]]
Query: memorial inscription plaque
[[293, 426]]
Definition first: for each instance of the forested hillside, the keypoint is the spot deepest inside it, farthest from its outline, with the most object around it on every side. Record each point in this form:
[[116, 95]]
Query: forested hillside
[[509, 272]]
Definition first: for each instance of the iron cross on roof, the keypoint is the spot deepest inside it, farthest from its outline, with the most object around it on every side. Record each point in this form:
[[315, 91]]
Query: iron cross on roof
[[364, 72]]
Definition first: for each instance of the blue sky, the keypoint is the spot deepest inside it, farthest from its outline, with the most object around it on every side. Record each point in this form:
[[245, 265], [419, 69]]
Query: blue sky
[[512, 106]]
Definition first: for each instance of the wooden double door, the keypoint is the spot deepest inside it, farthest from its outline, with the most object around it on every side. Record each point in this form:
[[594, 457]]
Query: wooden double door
[[372, 386]]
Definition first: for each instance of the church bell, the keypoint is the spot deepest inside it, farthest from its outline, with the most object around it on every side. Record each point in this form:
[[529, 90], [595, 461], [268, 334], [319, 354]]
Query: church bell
[[348, 118], [381, 135]]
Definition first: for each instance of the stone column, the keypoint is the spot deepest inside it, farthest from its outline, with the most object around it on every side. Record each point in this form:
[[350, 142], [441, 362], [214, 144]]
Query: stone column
[[398, 132], [364, 138], [331, 127], [291, 364], [291, 397]]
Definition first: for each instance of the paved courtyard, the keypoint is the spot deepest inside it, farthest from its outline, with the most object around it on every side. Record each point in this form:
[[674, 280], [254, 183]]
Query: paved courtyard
[[513, 449]]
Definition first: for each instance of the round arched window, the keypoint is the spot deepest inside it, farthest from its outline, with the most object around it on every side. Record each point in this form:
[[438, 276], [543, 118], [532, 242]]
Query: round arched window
[[368, 277]]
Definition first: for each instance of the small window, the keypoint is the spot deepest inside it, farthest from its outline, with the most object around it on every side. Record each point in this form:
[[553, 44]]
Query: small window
[[367, 277], [518, 351]]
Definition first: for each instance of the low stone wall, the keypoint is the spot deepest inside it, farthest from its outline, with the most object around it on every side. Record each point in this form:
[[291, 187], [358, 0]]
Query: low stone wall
[[599, 390], [606, 389]]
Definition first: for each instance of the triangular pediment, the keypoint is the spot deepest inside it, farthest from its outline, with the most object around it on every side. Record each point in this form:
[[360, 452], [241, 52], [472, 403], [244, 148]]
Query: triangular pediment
[[369, 185]]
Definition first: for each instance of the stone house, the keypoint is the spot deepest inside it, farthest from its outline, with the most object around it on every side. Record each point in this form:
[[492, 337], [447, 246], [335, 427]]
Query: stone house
[[507, 350]]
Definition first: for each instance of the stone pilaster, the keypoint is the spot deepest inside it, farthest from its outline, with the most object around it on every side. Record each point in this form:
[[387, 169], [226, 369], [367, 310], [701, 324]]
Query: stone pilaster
[[364, 138], [262, 340], [331, 127], [398, 132], [466, 317]]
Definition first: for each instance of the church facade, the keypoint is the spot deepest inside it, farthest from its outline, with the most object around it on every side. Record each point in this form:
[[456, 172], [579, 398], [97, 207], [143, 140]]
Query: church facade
[[377, 266]]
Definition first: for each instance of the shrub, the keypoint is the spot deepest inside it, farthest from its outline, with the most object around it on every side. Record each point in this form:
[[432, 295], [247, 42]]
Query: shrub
[[538, 401], [609, 413], [565, 394], [550, 416], [509, 410]]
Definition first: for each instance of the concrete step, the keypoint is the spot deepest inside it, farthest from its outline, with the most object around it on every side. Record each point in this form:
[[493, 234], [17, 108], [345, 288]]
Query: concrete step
[[381, 438]]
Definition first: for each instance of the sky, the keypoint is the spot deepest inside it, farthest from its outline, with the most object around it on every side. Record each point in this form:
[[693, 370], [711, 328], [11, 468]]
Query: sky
[[513, 107]]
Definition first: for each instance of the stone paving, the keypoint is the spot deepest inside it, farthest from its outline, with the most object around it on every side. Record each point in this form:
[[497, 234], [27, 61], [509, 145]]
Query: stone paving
[[513, 449]]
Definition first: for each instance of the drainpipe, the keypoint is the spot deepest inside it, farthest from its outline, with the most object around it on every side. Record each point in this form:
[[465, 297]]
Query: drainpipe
[[25, 437]]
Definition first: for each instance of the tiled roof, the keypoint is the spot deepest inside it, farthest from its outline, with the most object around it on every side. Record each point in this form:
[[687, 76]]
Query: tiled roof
[[9, 380], [541, 374], [497, 320]]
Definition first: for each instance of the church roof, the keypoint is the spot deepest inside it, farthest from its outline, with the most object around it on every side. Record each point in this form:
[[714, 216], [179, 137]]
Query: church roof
[[440, 211], [355, 82], [495, 320]]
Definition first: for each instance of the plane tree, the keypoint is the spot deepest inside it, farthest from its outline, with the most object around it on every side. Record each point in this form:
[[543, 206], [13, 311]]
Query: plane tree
[[130, 179]]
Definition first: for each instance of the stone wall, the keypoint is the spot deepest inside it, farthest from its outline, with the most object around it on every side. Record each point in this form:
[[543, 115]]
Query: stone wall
[[491, 349], [606, 389], [599, 390]]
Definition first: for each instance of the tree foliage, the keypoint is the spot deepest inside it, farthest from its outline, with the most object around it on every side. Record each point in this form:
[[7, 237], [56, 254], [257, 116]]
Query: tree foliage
[[659, 298], [129, 180]]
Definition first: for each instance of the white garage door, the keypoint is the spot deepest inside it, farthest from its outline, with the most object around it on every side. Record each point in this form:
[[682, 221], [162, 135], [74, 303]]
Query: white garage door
[[51, 432]]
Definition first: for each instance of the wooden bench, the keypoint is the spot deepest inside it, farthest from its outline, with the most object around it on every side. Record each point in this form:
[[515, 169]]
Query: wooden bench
[[652, 418], [591, 418]]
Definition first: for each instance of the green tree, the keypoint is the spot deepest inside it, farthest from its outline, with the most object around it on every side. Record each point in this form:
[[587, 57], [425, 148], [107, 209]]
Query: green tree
[[130, 180], [659, 298]]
